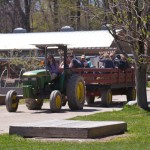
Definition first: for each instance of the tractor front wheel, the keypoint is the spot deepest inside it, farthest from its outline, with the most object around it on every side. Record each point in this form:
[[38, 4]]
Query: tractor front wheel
[[11, 101], [76, 92], [33, 104], [55, 101]]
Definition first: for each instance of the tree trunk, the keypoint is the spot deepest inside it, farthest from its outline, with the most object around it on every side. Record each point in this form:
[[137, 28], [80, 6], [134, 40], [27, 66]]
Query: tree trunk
[[78, 15], [19, 14], [27, 14], [73, 15], [55, 19], [141, 86]]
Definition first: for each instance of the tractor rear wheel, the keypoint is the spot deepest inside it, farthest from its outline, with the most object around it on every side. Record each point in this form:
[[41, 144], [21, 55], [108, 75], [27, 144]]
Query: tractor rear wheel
[[33, 104], [11, 101], [55, 101], [90, 99], [106, 97], [76, 92]]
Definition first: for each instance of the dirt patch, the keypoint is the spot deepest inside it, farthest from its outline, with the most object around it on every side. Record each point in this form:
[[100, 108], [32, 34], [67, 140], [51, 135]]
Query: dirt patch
[[104, 139]]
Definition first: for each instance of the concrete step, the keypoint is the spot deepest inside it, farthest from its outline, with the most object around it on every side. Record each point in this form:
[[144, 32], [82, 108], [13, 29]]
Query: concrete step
[[69, 129]]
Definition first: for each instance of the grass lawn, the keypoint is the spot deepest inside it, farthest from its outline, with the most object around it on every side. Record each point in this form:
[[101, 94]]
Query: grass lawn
[[137, 137]]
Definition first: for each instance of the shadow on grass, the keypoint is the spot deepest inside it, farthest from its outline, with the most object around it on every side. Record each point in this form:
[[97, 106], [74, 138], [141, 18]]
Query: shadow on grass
[[117, 104]]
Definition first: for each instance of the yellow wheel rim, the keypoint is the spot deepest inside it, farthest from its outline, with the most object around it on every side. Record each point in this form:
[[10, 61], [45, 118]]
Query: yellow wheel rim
[[14, 102], [58, 101], [109, 97], [133, 94], [80, 92], [14, 97]]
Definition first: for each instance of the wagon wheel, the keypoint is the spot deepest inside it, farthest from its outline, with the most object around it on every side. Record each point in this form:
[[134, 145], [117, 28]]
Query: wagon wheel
[[90, 99], [76, 92], [55, 101], [106, 97], [33, 104], [11, 101], [131, 94]]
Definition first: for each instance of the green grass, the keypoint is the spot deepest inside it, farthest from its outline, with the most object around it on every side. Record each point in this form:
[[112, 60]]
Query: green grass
[[148, 84], [137, 137]]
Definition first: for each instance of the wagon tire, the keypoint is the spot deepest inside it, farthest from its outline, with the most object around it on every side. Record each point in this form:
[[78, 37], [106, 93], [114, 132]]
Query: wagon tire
[[131, 94], [106, 97], [90, 99]]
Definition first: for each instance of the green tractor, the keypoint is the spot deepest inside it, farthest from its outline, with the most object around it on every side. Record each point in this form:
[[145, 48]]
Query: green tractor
[[37, 86]]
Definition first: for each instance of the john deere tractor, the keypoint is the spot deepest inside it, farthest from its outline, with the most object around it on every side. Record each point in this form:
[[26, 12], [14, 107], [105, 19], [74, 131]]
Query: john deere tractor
[[37, 86]]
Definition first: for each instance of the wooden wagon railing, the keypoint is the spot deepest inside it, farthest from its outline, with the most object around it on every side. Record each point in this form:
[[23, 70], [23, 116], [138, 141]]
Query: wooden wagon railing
[[106, 76]]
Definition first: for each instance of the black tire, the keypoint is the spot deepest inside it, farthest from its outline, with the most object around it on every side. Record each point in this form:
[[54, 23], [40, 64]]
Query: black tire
[[33, 104], [106, 97], [131, 94], [11, 101], [76, 92], [55, 101], [64, 100], [90, 99]]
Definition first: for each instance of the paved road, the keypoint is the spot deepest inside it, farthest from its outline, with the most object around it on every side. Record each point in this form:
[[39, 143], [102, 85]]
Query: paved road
[[23, 115]]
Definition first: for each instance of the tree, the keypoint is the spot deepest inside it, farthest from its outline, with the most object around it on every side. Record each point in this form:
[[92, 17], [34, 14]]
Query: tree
[[22, 10], [55, 15], [49, 15], [132, 17], [27, 4], [15, 13]]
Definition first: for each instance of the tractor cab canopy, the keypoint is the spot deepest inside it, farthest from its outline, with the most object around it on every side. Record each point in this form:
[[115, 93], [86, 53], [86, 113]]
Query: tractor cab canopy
[[53, 47]]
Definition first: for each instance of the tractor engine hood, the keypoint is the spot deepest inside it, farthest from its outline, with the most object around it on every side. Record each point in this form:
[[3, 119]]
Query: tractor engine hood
[[38, 73]]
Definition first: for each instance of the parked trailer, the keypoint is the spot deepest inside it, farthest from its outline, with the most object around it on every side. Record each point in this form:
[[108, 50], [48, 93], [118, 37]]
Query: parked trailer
[[106, 82]]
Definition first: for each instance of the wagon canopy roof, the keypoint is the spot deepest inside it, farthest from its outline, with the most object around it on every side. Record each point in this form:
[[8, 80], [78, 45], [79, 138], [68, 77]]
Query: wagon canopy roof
[[76, 40]]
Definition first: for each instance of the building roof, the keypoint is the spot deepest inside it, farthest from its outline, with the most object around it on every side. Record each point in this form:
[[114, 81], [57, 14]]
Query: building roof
[[76, 40]]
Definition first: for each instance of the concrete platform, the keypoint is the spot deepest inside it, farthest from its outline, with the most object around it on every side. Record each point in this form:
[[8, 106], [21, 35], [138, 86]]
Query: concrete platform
[[2, 99], [69, 129], [3, 92]]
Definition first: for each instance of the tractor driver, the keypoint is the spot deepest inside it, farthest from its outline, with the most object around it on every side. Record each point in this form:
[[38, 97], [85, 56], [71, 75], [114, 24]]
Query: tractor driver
[[52, 66]]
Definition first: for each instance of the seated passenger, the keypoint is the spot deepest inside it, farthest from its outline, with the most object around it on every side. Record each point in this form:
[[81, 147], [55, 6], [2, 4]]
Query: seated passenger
[[74, 62], [67, 63], [84, 62], [117, 61], [52, 66], [90, 65], [125, 61], [107, 62], [121, 62]]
